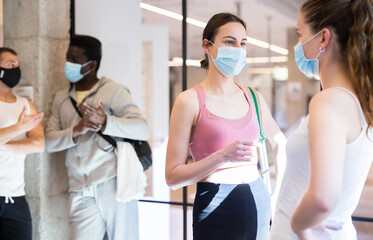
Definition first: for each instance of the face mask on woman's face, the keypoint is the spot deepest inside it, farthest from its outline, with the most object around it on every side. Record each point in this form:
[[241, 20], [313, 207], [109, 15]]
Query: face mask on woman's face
[[230, 60], [72, 71], [10, 76], [309, 67]]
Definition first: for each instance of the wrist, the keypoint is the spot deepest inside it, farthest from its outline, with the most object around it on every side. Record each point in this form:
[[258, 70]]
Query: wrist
[[17, 128], [76, 132], [220, 158], [103, 125], [105, 118]]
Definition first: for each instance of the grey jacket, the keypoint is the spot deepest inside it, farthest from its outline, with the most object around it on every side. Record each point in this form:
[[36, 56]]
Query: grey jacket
[[90, 159]]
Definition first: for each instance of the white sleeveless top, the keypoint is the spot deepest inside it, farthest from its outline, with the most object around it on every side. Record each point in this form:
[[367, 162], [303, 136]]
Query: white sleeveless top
[[12, 164], [359, 155]]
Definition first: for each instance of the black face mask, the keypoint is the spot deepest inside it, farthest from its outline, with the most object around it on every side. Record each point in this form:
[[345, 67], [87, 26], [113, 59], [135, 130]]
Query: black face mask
[[10, 77]]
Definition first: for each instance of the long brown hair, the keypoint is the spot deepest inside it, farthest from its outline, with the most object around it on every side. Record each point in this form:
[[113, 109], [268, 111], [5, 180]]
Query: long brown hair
[[352, 22], [212, 27]]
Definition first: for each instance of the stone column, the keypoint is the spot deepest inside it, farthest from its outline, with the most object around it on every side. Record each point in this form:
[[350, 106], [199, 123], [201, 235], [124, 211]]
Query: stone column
[[1, 23], [39, 31]]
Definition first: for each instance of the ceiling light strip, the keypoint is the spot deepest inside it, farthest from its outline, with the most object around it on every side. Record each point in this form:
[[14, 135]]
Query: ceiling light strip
[[200, 24], [176, 61], [161, 11]]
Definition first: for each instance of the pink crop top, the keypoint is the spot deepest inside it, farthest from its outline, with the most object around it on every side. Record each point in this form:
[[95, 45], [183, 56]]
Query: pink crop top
[[212, 133]]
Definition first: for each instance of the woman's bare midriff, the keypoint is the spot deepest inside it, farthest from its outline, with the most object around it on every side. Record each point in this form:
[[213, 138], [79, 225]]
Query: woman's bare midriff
[[234, 175]]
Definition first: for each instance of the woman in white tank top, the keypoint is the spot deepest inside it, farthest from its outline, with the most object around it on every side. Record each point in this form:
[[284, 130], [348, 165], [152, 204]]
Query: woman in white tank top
[[331, 152]]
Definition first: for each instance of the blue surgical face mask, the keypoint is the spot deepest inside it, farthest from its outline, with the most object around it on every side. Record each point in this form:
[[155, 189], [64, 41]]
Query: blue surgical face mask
[[72, 71], [230, 60], [309, 67]]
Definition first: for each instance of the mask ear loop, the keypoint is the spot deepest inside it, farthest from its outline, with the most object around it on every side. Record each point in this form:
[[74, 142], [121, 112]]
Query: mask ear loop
[[312, 37], [85, 64], [212, 43], [215, 46], [321, 50]]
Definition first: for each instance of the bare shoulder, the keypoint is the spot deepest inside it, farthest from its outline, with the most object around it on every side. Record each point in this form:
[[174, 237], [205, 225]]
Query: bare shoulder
[[187, 100], [185, 109], [260, 96], [333, 99], [32, 107], [262, 102], [337, 107]]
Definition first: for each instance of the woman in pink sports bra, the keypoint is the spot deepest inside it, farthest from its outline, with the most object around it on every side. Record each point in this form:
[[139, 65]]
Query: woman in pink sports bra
[[216, 120]]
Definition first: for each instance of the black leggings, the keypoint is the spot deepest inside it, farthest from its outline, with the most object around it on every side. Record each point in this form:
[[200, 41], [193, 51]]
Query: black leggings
[[231, 211], [15, 219]]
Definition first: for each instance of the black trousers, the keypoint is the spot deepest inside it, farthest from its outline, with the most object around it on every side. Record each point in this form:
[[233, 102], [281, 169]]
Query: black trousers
[[231, 211], [15, 219]]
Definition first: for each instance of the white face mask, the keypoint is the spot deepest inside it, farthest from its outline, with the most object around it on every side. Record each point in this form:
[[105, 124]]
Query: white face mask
[[230, 60], [309, 67], [72, 71]]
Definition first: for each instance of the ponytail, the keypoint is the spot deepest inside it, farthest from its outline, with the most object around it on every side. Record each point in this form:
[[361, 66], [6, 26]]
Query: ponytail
[[360, 57], [205, 62], [352, 22]]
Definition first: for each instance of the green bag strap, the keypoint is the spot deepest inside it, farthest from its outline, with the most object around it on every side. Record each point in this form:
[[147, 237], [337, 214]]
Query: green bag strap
[[262, 138]]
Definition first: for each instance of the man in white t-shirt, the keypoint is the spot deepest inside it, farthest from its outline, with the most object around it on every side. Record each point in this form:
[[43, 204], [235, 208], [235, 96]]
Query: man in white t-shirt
[[20, 133]]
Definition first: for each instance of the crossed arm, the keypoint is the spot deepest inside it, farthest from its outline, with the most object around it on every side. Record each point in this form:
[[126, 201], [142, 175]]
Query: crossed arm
[[29, 124], [125, 120]]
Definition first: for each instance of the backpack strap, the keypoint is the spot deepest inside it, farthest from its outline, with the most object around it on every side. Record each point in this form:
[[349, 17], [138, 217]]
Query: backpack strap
[[258, 113], [108, 138], [263, 159]]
